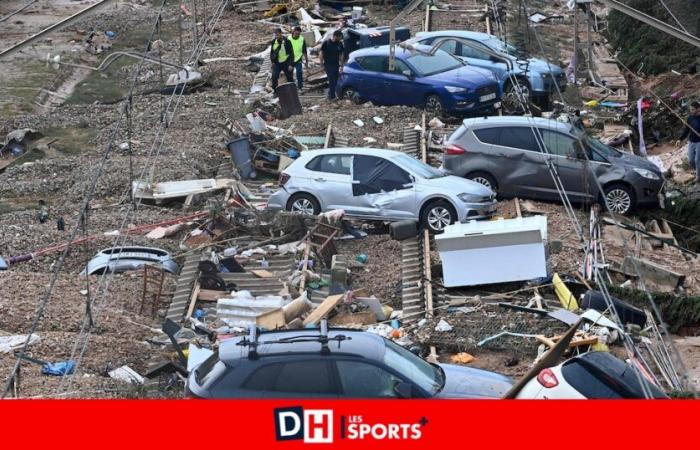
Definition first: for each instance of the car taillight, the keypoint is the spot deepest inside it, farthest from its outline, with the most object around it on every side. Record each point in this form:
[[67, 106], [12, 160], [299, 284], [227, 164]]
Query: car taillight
[[283, 178], [547, 379], [452, 149]]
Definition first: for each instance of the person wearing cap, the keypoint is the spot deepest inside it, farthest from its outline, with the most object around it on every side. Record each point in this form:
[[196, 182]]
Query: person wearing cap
[[299, 49], [282, 57]]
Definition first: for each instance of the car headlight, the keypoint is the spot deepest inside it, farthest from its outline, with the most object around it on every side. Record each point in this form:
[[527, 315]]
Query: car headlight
[[470, 198], [455, 89], [647, 174]]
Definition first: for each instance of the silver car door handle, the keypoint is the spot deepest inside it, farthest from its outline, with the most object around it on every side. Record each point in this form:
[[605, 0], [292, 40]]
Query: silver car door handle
[[319, 179]]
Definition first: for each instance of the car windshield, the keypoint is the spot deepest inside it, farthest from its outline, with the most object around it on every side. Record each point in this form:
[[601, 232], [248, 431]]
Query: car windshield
[[413, 367], [603, 150], [500, 46], [439, 62], [418, 168]]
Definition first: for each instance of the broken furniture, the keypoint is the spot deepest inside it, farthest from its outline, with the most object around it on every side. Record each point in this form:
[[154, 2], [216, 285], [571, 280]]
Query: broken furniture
[[320, 239], [176, 189], [153, 278], [493, 251]]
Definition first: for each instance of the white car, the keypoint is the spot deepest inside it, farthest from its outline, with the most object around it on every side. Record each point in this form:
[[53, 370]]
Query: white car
[[375, 184], [593, 375]]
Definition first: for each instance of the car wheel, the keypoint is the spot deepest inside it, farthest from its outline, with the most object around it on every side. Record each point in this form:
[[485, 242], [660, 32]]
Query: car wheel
[[483, 179], [515, 98], [304, 204], [433, 105], [351, 94], [437, 215], [619, 199]]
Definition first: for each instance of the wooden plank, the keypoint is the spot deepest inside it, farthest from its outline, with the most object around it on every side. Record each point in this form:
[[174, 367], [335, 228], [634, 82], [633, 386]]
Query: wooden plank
[[304, 268], [193, 300], [271, 320], [323, 309], [262, 273], [210, 295]]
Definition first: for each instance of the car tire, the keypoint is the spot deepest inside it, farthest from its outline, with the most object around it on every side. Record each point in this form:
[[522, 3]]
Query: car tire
[[350, 93], [436, 215], [433, 105], [619, 199], [511, 103], [483, 179], [304, 204]]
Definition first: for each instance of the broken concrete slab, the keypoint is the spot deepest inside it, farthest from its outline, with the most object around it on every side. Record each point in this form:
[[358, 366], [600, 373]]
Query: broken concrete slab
[[661, 278]]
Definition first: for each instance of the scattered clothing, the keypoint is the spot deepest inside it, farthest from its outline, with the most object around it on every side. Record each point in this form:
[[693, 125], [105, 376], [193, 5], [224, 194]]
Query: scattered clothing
[[58, 369]]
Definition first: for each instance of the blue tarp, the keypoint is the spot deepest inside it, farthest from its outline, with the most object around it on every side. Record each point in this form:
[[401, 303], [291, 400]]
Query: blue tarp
[[59, 369], [3, 264]]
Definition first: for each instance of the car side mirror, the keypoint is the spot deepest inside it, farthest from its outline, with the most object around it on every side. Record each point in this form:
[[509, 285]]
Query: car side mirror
[[408, 74], [403, 390]]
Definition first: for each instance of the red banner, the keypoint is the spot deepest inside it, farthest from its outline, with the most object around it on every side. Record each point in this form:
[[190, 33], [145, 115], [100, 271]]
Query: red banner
[[289, 424]]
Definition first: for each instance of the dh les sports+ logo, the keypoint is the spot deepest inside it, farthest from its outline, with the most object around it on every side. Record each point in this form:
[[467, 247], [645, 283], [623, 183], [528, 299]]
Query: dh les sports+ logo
[[317, 426]]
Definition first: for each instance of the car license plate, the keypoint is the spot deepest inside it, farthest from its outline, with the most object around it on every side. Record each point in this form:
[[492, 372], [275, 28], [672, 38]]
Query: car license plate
[[485, 98]]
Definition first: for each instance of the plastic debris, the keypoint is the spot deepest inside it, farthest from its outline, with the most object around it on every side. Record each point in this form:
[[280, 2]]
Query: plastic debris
[[443, 326]]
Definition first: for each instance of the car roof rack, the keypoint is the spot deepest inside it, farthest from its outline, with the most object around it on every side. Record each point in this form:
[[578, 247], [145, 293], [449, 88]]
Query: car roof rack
[[252, 340]]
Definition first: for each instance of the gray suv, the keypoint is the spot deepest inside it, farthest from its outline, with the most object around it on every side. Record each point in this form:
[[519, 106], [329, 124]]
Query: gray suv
[[334, 363], [506, 154]]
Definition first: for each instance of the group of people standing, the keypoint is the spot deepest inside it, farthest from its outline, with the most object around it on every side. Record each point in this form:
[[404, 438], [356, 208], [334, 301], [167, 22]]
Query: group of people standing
[[287, 55]]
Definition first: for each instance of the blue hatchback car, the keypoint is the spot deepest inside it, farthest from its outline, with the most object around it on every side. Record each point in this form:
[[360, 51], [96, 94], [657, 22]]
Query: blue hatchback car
[[439, 82], [538, 78]]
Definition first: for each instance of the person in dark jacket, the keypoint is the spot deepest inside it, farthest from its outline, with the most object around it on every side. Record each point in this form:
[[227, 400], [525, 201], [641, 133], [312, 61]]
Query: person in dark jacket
[[333, 58], [692, 132], [282, 57]]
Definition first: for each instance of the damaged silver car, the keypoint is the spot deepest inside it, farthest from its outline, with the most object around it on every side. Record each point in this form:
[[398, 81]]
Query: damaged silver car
[[375, 184]]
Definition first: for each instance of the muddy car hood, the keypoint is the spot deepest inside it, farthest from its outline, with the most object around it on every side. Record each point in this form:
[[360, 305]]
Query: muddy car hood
[[456, 185], [467, 382]]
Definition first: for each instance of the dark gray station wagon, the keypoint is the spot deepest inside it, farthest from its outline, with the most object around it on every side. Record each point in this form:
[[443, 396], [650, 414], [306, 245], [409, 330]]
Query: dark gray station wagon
[[507, 155]]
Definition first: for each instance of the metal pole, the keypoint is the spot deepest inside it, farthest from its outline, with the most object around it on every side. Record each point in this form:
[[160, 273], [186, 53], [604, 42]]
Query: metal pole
[[179, 16], [588, 36], [205, 17], [575, 43], [195, 35]]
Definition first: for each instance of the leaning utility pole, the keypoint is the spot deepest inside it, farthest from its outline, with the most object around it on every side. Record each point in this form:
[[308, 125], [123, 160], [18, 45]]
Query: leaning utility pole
[[392, 29]]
